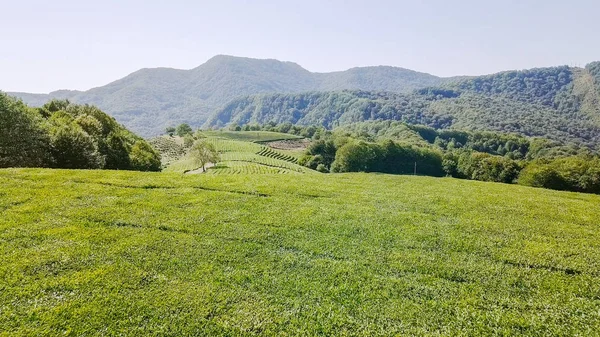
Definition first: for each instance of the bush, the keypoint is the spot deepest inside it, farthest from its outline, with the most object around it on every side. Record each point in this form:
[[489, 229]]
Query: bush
[[321, 168]]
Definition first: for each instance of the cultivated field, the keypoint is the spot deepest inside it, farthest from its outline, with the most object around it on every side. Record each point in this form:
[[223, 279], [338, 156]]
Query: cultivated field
[[107, 253], [244, 157]]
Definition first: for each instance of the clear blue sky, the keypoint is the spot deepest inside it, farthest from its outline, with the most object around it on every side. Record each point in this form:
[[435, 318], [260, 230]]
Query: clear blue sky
[[74, 44]]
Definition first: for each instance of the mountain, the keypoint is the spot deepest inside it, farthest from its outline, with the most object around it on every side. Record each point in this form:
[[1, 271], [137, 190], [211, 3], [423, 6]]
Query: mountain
[[148, 100], [560, 103]]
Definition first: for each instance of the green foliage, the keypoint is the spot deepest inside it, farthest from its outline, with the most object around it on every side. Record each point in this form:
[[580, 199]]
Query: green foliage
[[183, 129], [480, 166], [241, 157], [388, 157], [580, 174], [65, 135], [72, 147], [23, 140], [203, 152], [188, 140], [257, 136], [170, 131], [143, 157], [322, 168], [547, 102]]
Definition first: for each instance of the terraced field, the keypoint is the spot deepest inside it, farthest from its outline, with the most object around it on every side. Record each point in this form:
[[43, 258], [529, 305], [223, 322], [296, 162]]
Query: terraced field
[[171, 148], [239, 157]]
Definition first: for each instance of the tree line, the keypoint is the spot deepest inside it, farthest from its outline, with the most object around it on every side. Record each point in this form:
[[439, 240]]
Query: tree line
[[61, 134], [399, 148]]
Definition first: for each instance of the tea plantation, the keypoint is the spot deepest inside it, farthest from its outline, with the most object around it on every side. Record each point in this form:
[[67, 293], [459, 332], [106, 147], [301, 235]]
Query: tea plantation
[[115, 253]]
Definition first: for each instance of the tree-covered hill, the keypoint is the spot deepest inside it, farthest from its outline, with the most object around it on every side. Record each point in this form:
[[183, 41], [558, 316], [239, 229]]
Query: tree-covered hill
[[559, 103], [65, 135], [148, 100]]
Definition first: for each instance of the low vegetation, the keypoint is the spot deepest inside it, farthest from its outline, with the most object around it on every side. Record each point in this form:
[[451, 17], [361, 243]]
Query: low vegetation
[[142, 254]]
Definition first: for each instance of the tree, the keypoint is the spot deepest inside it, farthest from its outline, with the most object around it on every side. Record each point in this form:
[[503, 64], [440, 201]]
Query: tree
[[143, 157], [188, 140], [71, 146], [203, 153], [170, 131], [184, 129], [23, 141]]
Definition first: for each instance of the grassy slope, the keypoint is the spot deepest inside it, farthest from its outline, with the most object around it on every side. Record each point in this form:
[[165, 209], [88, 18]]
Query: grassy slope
[[138, 254]]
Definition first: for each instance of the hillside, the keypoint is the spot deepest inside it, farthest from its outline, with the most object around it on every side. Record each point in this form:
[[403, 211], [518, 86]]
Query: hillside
[[144, 254], [148, 100], [559, 103], [239, 152]]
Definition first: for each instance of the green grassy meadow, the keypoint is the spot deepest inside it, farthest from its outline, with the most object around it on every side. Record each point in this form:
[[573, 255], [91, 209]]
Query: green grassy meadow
[[116, 253]]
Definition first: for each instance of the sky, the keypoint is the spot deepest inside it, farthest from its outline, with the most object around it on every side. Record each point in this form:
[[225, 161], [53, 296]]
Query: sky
[[74, 44]]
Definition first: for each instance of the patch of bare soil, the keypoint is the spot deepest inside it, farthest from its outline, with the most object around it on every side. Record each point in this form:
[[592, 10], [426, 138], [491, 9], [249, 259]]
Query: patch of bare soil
[[290, 144]]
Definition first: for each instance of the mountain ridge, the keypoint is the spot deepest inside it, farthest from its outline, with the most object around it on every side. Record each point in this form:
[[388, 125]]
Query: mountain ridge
[[559, 103], [150, 98]]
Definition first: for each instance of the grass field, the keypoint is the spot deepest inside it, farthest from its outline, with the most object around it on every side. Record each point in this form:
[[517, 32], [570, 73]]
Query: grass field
[[114, 253]]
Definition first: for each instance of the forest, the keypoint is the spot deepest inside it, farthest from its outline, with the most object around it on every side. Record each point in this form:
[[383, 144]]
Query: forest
[[560, 103], [65, 135]]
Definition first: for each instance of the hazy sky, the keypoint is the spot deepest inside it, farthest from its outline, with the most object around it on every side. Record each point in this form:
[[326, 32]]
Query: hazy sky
[[75, 44]]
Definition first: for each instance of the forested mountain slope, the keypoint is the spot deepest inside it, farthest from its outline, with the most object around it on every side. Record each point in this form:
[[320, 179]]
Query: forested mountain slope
[[560, 103], [149, 99]]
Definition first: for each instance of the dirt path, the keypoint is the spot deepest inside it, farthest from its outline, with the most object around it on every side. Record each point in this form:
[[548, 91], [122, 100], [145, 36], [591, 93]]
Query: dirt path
[[199, 170]]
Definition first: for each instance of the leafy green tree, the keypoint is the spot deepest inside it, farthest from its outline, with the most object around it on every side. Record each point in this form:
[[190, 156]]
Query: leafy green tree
[[184, 129], [202, 153], [354, 157], [170, 131], [23, 140], [143, 157], [71, 146]]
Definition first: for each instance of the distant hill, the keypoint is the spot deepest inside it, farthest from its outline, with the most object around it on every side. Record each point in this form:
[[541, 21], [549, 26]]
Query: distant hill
[[149, 99], [559, 103]]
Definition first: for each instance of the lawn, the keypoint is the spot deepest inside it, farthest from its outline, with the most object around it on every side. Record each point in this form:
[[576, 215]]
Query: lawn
[[108, 253]]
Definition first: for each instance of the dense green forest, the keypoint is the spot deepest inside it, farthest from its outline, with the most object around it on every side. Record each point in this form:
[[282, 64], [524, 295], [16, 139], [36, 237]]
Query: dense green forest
[[558, 103], [64, 135], [149, 99]]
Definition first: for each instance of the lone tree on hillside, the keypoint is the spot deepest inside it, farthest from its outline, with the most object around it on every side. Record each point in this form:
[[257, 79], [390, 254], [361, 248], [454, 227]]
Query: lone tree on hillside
[[184, 129], [203, 153], [170, 131]]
